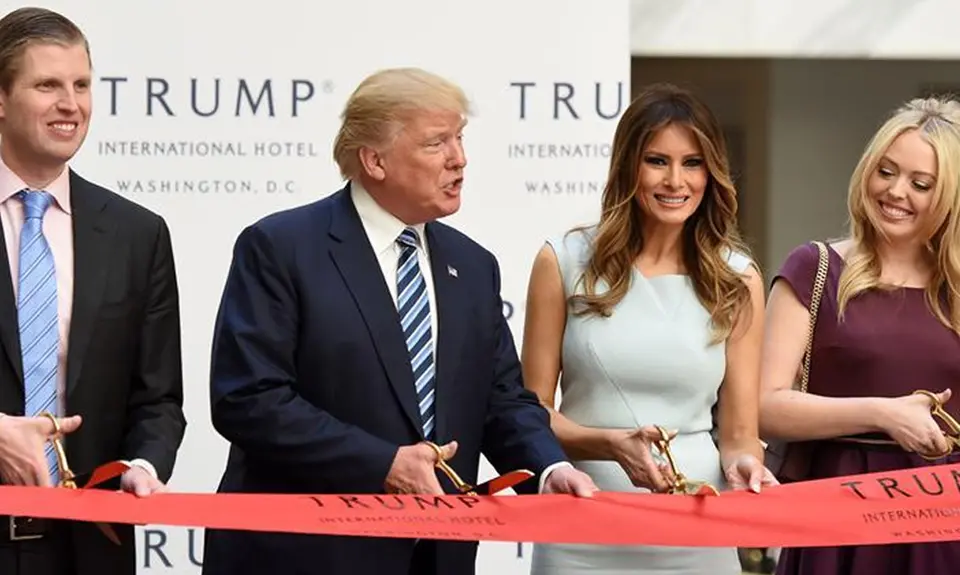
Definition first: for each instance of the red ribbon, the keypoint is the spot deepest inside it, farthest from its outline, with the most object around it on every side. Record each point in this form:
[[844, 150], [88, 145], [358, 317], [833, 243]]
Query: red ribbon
[[916, 505]]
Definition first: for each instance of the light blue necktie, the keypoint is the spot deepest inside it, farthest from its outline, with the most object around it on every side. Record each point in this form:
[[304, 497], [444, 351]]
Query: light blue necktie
[[37, 314], [414, 307]]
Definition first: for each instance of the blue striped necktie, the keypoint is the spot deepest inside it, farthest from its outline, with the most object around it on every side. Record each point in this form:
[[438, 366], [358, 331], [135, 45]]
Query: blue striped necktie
[[414, 307], [37, 315]]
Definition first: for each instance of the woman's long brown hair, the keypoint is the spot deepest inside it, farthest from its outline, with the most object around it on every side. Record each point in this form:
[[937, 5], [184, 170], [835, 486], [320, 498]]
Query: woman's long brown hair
[[709, 236]]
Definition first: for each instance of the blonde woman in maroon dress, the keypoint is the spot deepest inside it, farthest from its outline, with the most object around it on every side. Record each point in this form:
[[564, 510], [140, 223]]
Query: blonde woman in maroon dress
[[888, 325]]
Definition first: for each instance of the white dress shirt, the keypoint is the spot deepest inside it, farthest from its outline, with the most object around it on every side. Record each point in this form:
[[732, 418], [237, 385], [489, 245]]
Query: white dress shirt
[[383, 229]]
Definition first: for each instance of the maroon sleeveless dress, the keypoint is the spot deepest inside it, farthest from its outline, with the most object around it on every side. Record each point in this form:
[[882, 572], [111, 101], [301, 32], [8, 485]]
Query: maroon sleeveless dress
[[889, 344]]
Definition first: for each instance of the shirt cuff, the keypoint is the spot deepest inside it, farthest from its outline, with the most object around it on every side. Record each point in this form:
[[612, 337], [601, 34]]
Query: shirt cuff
[[550, 469], [145, 465]]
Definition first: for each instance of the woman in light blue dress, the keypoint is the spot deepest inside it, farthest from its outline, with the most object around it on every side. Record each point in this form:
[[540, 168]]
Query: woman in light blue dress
[[652, 317]]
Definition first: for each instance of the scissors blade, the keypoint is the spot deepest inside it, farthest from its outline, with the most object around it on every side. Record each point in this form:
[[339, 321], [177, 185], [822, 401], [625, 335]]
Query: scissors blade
[[700, 488], [706, 490], [108, 531], [101, 474], [503, 482]]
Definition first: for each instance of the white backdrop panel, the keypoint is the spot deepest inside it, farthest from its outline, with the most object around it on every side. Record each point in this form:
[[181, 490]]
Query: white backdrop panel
[[216, 113]]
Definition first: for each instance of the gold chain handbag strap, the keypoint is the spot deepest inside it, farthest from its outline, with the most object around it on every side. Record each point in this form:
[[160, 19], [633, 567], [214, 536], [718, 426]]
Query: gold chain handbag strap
[[818, 284]]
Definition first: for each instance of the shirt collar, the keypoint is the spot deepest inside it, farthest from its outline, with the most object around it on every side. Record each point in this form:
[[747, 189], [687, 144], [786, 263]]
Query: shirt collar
[[11, 183], [382, 227]]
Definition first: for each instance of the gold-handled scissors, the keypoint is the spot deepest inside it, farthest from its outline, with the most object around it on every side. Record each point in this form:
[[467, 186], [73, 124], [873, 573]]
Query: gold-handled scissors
[[951, 434], [495, 485], [68, 479], [681, 485]]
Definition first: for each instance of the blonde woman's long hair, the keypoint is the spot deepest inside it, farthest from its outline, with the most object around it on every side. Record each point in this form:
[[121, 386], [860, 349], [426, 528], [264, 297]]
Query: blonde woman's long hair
[[937, 120], [709, 236]]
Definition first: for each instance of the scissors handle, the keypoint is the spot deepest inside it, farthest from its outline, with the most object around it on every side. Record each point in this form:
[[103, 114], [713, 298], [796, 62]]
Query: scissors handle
[[461, 485], [681, 485], [952, 434], [67, 477]]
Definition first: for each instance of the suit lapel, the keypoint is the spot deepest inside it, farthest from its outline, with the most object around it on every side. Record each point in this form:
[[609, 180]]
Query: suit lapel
[[9, 329], [358, 265], [450, 304], [92, 242]]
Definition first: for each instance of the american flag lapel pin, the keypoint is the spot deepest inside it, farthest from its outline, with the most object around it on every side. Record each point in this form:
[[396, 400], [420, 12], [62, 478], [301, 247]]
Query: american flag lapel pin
[[452, 271]]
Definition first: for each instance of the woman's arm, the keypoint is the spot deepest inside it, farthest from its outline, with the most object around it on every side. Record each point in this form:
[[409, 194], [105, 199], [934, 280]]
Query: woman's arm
[[789, 414], [546, 318], [544, 324], [739, 394]]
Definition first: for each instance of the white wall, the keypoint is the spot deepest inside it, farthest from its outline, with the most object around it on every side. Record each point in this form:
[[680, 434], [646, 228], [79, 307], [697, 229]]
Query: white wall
[[920, 29]]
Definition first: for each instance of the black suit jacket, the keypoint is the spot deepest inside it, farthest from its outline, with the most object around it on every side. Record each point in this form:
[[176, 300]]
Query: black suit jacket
[[312, 386], [124, 372]]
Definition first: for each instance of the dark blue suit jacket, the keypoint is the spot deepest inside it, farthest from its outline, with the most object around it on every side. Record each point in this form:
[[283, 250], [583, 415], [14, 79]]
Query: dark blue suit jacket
[[311, 384]]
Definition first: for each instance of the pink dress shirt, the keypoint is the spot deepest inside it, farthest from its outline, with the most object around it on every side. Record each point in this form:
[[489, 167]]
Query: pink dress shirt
[[58, 229]]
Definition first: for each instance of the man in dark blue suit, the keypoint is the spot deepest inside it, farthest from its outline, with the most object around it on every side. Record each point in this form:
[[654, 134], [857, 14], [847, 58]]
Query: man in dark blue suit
[[356, 329]]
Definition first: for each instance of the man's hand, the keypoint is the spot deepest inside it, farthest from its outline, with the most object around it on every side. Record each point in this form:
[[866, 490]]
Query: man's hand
[[567, 479], [138, 481], [22, 442], [414, 469]]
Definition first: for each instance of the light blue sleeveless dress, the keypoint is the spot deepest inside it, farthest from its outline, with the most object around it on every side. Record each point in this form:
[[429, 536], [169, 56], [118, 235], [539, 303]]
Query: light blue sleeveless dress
[[649, 363]]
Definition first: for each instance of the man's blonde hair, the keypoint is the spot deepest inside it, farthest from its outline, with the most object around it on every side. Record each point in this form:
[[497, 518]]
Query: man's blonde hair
[[376, 111]]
